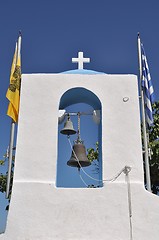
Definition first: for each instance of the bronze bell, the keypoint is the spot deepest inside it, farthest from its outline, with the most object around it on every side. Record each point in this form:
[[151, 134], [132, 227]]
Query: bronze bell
[[80, 154], [68, 128]]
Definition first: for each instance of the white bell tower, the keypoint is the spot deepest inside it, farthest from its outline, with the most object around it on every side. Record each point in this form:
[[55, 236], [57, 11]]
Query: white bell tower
[[121, 209]]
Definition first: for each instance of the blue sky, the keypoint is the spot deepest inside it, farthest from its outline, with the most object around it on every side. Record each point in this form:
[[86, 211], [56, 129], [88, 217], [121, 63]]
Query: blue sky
[[53, 31]]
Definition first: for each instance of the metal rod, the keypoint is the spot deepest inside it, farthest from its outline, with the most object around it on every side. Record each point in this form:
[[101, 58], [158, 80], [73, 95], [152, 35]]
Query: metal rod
[[10, 158], [79, 123], [147, 167], [76, 113]]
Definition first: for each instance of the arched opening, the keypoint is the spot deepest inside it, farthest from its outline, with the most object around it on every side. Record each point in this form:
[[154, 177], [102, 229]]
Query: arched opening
[[85, 102]]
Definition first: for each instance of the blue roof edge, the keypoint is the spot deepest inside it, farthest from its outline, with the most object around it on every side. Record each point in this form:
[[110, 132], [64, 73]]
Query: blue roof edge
[[82, 71]]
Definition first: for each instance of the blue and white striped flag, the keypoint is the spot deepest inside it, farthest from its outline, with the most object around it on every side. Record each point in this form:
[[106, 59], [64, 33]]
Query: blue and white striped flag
[[146, 84]]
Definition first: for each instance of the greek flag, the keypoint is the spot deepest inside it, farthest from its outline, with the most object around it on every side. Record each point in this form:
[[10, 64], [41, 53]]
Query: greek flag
[[146, 84]]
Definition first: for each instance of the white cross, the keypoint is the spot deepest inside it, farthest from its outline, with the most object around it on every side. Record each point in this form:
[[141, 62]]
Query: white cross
[[80, 60]]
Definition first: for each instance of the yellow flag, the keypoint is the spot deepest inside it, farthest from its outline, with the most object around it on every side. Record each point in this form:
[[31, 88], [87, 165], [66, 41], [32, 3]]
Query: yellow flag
[[13, 93]]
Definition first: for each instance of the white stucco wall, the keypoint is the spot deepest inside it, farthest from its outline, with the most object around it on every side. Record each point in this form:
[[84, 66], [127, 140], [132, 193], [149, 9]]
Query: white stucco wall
[[38, 209]]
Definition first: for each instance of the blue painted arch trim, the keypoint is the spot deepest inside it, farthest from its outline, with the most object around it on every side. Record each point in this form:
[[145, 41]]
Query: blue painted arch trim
[[79, 95]]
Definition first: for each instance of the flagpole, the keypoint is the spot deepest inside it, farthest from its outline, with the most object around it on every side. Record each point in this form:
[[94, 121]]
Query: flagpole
[[146, 154], [12, 135], [10, 158]]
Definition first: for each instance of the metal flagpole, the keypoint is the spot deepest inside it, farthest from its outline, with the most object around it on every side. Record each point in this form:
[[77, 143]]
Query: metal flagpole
[[146, 154], [11, 139], [10, 158]]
